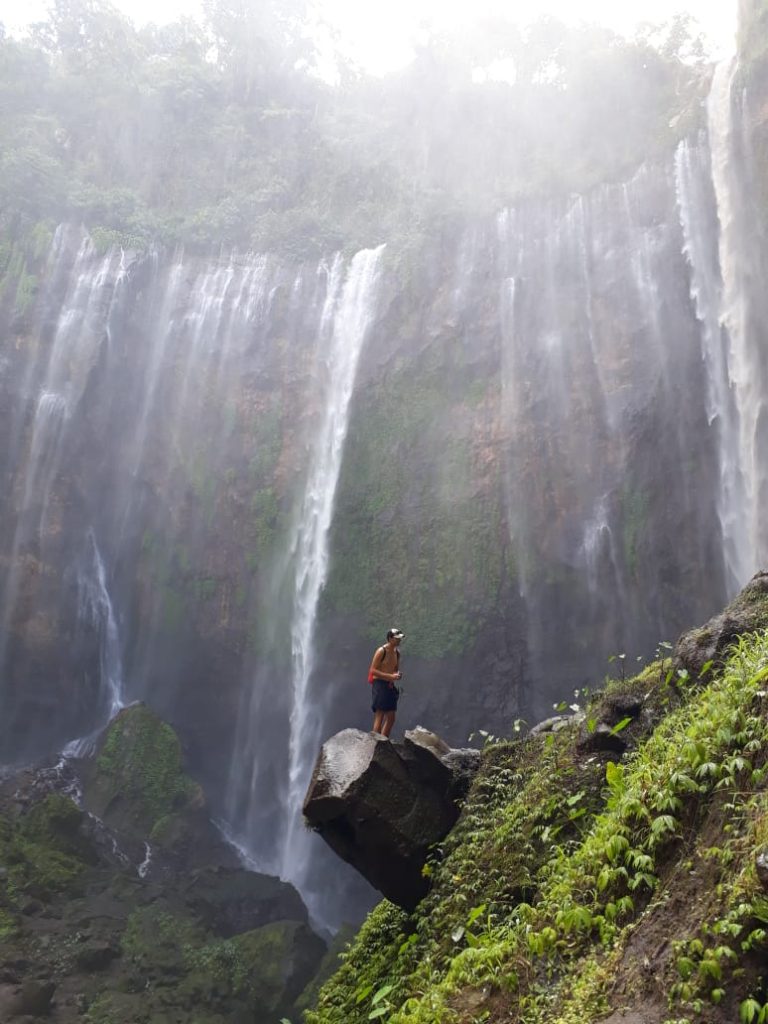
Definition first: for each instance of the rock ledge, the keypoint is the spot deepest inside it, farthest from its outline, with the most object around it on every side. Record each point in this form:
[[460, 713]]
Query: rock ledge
[[381, 805]]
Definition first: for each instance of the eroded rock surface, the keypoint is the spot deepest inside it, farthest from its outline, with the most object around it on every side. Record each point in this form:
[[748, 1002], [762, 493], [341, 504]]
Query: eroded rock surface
[[381, 805], [710, 642]]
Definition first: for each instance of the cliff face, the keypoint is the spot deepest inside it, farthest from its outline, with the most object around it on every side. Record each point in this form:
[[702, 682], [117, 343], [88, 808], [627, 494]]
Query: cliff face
[[503, 471], [529, 482], [520, 457], [548, 449]]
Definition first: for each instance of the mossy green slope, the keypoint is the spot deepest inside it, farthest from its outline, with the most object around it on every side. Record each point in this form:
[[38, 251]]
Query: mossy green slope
[[574, 886], [138, 777], [41, 859]]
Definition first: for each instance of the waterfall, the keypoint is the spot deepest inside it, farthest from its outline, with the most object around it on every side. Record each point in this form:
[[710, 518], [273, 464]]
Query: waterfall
[[698, 218], [345, 321], [596, 336], [267, 783], [182, 424], [123, 422], [95, 613], [715, 195], [741, 314], [91, 300], [95, 608]]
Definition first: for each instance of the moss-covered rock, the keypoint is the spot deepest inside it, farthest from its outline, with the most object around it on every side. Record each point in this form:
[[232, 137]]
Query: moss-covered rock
[[208, 943], [137, 778], [708, 645], [454, 543], [258, 973], [279, 960], [57, 822], [43, 854]]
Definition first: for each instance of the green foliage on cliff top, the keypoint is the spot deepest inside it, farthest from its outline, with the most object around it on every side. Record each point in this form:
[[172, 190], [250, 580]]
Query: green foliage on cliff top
[[138, 775], [566, 871], [220, 132]]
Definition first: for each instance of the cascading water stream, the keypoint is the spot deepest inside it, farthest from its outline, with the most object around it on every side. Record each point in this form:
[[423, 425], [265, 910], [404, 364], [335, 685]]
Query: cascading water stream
[[712, 177], [278, 732], [82, 325], [96, 613], [347, 316], [698, 217], [744, 441], [346, 319]]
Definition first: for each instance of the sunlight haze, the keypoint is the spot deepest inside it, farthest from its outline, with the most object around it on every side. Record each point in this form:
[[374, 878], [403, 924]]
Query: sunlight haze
[[379, 36]]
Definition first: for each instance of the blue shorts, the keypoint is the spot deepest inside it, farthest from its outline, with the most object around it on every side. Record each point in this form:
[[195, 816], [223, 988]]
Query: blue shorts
[[385, 696]]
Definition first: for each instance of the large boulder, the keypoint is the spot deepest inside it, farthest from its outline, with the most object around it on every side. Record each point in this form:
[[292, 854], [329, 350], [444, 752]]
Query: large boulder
[[136, 786], [137, 779], [381, 805], [230, 901], [709, 643]]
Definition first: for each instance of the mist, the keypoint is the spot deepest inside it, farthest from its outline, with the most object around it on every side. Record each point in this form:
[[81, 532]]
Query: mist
[[306, 335]]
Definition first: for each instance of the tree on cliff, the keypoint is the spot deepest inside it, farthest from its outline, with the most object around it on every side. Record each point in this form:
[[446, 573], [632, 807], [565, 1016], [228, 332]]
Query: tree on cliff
[[220, 130]]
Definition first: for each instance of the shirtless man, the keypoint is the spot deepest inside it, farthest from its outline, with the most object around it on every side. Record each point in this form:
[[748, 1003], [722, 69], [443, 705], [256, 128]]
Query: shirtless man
[[383, 674]]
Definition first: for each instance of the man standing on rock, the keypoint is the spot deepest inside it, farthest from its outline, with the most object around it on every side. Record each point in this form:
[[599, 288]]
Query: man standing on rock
[[383, 674]]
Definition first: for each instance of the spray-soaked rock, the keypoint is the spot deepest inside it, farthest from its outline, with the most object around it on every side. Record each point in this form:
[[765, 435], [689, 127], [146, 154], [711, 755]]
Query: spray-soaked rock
[[381, 805], [708, 644], [761, 868]]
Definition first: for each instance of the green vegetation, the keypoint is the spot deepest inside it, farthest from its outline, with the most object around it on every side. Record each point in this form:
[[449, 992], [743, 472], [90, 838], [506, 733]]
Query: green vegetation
[[249, 969], [138, 778], [220, 132], [43, 856], [567, 870]]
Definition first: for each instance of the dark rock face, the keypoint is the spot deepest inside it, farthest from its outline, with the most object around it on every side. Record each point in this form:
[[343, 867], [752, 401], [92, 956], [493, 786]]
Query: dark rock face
[[30, 999], [231, 901], [761, 868], [381, 805], [710, 642], [150, 910], [611, 730]]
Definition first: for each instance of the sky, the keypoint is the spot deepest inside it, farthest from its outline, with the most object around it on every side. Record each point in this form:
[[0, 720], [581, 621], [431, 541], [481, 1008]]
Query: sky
[[377, 33]]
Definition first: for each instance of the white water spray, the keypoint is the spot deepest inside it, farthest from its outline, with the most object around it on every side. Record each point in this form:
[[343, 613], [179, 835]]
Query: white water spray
[[95, 612], [82, 325], [693, 180], [721, 246], [346, 318], [744, 540]]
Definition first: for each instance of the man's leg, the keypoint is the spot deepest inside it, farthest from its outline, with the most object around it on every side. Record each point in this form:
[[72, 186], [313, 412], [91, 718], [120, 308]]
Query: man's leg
[[389, 721], [378, 721]]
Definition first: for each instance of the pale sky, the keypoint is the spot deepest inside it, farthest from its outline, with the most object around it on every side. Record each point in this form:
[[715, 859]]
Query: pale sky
[[378, 33]]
